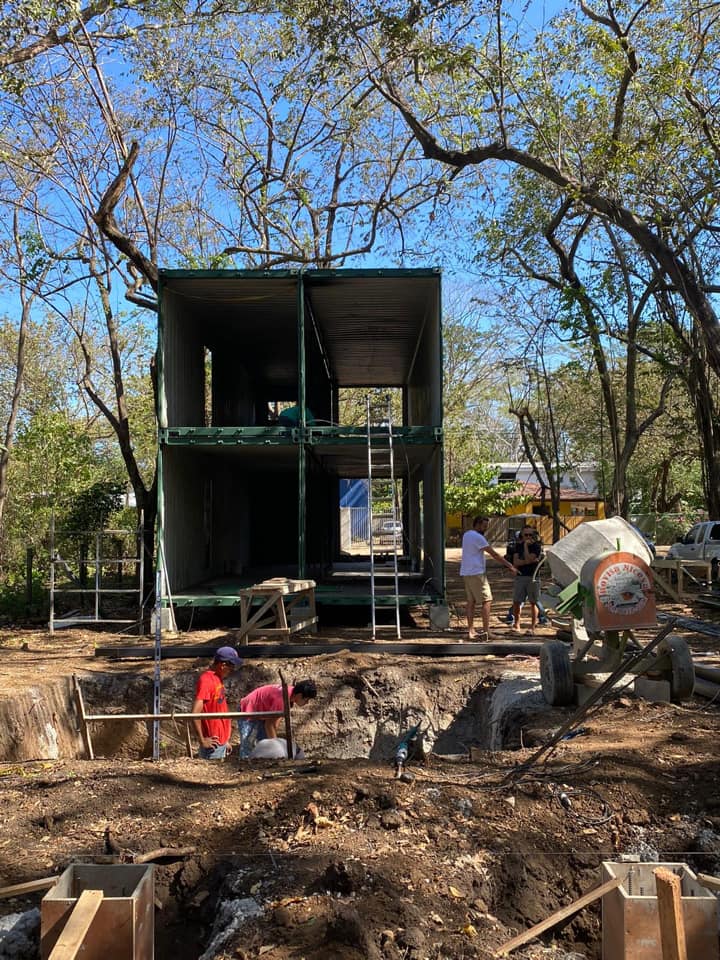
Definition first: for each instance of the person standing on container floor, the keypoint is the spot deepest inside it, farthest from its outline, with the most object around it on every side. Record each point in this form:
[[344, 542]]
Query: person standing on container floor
[[472, 570]]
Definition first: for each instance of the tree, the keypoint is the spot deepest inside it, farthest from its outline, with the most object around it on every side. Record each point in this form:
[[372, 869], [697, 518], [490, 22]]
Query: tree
[[478, 491], [474, 429], [615, 111], [246, 154], [601, 300], [26, 296]]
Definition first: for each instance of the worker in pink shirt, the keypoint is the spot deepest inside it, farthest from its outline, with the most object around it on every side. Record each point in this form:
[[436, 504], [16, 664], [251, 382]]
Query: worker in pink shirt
[[268, 699]]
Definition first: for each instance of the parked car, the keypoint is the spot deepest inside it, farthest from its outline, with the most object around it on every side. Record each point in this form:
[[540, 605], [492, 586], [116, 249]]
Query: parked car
[[701, 542], [390, 527]]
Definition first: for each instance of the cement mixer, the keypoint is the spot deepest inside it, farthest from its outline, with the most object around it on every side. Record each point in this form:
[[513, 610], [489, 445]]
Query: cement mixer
[[604, 581]]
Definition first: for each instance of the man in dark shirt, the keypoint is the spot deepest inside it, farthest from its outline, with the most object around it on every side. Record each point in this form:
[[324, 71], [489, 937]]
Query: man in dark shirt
[[526, 560]]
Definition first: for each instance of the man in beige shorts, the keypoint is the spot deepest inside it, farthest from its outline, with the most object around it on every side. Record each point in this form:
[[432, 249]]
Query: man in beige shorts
[[472, 570]]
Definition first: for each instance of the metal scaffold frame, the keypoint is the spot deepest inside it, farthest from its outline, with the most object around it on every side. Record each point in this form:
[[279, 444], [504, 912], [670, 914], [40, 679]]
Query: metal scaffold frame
[[97, 588]]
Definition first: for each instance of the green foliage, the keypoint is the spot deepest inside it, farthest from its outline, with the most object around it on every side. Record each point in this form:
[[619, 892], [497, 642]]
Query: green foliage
[[58, 470], [478, 491], [91, 508], [13, 594]]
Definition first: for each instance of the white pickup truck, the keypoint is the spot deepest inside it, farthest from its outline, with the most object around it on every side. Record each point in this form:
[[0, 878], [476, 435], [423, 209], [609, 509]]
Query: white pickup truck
[[701, 542]]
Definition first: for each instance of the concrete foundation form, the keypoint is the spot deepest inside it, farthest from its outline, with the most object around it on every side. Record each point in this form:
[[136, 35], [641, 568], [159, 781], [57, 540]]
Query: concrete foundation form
[[630, 918], [123, 928]]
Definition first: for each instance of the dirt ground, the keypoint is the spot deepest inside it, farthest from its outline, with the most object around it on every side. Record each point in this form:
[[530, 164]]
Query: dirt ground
[[335, 858]]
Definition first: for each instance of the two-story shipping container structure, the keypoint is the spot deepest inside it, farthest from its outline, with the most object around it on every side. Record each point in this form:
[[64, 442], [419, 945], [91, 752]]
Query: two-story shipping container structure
[[243, 498]]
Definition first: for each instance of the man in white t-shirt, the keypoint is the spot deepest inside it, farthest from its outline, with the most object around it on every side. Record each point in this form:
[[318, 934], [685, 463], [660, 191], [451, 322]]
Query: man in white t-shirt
[[472, 570]]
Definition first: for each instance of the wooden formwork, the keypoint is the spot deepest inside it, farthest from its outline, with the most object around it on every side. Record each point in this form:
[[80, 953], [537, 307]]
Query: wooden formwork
[[99, 913], [630, 916]]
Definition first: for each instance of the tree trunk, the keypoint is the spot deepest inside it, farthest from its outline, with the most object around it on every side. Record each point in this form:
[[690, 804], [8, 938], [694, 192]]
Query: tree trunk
[[529, 432], [707, 419], [147, 509], [9, 435]]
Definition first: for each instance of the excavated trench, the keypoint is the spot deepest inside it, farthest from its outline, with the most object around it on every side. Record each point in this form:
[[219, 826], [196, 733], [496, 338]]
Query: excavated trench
[[358, 714], [209, 901], [364, 706]]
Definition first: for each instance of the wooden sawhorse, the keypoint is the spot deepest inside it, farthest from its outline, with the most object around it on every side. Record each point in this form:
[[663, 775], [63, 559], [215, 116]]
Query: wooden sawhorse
[[665, 567], [276, 598]]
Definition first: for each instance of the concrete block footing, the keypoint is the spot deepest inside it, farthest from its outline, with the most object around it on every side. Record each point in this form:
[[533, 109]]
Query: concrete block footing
[[439, 616], [582, 693], [657, 691]]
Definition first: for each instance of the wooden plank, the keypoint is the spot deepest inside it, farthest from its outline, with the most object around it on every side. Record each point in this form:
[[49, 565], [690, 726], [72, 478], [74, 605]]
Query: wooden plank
[[284, 585], [273, 600], [70, 941], [558, 916], [666, 588], [712, 883], [672, 923], [84, 729], [31, 886]]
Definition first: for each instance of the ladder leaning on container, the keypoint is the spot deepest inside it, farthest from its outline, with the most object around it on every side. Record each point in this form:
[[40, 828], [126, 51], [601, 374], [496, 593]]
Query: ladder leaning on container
[[381, 461]]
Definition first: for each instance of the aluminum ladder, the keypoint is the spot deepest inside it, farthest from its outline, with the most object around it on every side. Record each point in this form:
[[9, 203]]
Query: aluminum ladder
[[381, 462]]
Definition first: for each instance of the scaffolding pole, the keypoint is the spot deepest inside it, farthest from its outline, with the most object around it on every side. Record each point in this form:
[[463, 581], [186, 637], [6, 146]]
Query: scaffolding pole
[[97, 589]]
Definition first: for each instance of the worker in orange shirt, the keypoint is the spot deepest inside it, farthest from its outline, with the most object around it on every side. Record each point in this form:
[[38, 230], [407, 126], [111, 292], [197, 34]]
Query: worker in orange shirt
[[213, 733]]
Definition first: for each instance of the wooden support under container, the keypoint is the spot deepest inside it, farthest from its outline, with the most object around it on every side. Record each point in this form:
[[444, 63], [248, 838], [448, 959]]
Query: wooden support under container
[[278, 597]]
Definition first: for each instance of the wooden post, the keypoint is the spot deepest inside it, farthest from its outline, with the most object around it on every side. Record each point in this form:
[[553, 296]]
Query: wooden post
[[70, 941], [672, 923], [288, 721], [29, 555], [84, 729]]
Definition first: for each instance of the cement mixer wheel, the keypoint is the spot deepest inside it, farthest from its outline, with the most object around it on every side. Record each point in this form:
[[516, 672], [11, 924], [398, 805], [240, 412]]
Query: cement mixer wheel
[[681, 674], [556, 676]]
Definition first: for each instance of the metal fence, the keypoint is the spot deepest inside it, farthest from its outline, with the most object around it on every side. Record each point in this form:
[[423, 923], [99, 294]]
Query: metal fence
[[662, 528], [355, 526]]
